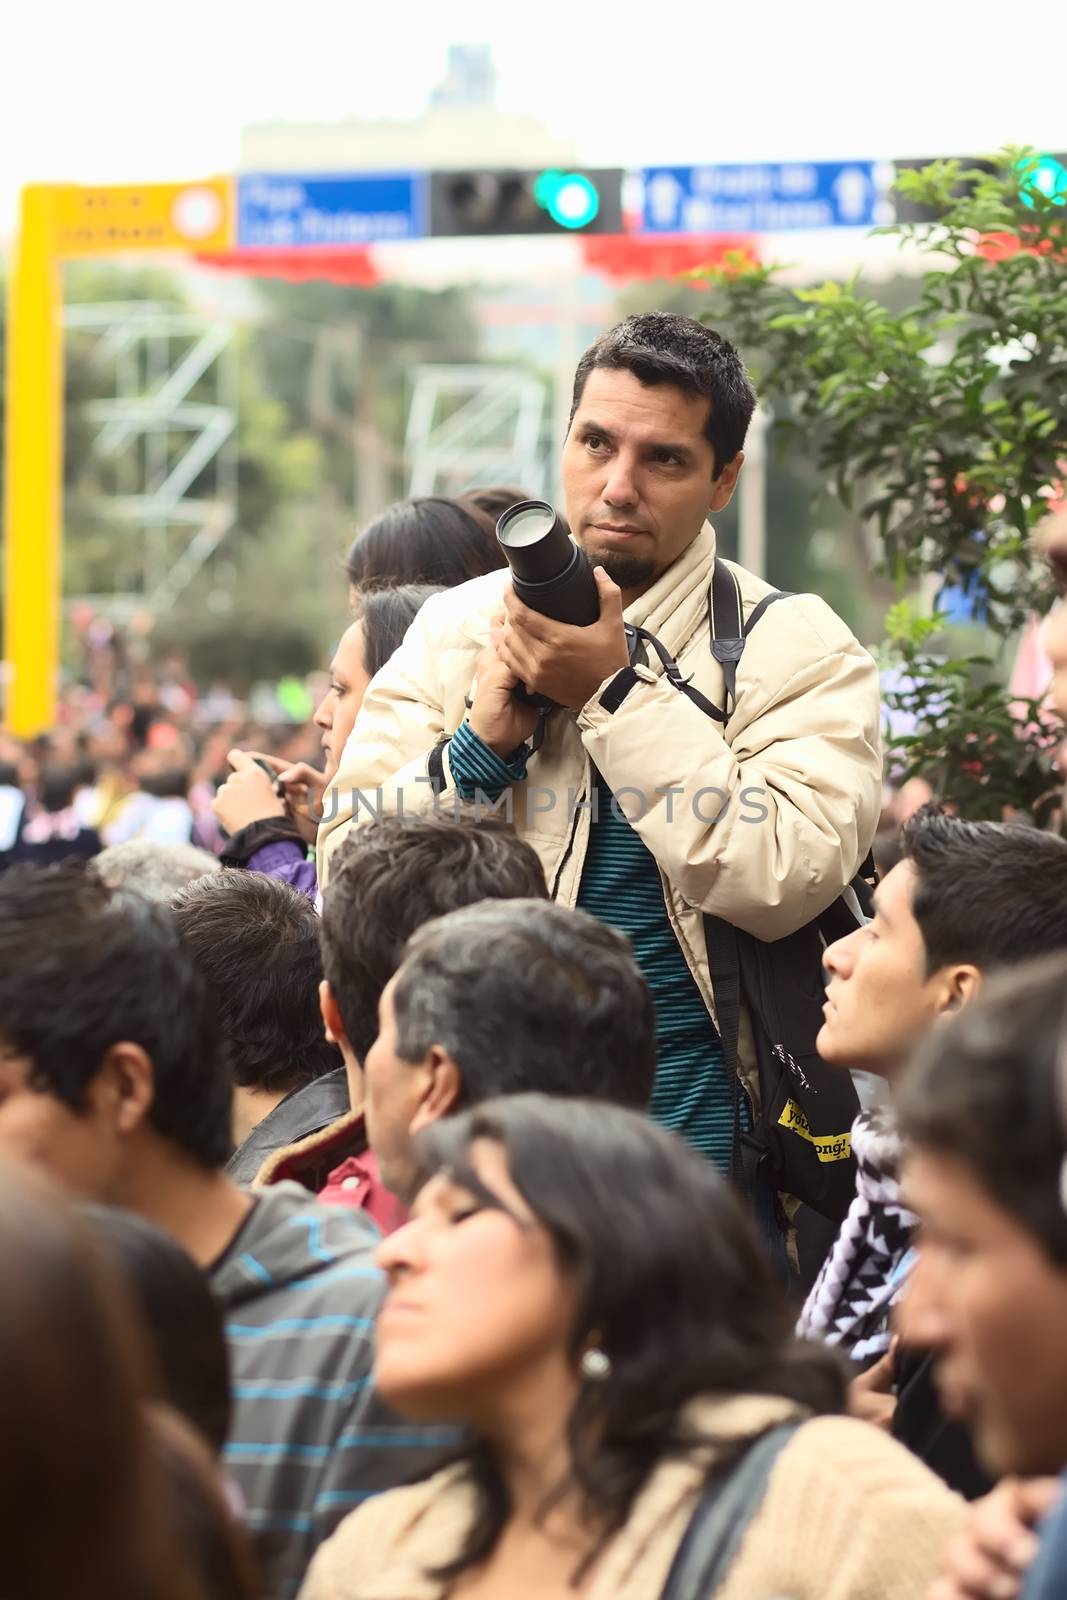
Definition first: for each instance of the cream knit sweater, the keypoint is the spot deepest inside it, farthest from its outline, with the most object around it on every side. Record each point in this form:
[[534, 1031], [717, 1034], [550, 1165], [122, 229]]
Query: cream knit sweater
[[848, 1515]]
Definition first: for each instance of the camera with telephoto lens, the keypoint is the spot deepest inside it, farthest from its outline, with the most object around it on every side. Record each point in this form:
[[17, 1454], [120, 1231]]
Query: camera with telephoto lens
[[549, 572]]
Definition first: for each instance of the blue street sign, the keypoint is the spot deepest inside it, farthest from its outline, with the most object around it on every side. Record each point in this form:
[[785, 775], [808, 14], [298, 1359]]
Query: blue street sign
[[287, 210], [759, 199]]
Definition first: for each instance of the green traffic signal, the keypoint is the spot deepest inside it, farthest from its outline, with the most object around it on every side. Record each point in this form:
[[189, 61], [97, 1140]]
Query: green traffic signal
[[1048, 175], [570, 199]]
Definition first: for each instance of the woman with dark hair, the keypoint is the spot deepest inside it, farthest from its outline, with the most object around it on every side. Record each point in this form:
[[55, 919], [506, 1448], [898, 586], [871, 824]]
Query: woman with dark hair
[[85, 1511], [272, 823], [427, 539], [180, 1315], [589, 1297], [491, 503]]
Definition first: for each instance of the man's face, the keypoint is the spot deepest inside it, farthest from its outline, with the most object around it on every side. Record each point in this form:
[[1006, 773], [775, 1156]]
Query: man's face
[[393, 1091], [79, 1150], [638, 475], [879, 1000], [988, 1300]]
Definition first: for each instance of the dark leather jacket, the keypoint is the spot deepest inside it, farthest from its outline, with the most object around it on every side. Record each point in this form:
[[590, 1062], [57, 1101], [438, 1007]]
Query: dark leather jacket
[[305, 1111]]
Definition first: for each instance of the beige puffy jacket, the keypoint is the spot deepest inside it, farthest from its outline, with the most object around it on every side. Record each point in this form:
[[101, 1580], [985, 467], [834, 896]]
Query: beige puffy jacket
[[848, 1514], [791, 786]]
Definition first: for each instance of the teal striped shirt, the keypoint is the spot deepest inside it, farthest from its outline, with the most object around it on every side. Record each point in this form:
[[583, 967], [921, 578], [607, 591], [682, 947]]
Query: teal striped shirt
[[621, 885]]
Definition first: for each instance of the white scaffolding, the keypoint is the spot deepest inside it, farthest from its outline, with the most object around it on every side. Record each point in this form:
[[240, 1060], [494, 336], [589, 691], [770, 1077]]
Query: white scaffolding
[[161, 434], [472, 426]]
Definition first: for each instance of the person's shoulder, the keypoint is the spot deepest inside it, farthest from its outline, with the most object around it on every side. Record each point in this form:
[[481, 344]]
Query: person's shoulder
[[860, 1461], [417, 1528], [806, 618], [325, 1251], [468, 604]]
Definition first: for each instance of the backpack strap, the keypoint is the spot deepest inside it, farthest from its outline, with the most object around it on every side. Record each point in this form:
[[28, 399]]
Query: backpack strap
[[724, 970], [728, 629], [722, 1517]]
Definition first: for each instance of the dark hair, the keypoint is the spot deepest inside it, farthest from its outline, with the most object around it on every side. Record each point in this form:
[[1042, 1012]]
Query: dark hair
[[215, 1544], [84, 967], [491, 503], [83, 1507], [424, 540], [390, 877], [256, 943], [56, 787], [991, 893], [984, 1089], [675, 1285], [179, 1314], [386, 615], [661, 347], [528, 995], [9, 775]]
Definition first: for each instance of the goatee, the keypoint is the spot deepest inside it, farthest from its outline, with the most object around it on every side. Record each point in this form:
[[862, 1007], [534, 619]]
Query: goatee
[[629, 572]]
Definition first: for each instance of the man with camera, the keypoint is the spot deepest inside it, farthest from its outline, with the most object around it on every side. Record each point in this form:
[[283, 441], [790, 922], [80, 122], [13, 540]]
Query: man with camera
[[652, 793]]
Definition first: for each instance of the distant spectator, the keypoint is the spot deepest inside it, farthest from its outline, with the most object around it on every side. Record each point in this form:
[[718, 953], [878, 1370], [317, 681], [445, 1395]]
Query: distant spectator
[[155, 870], [428, 539], [270, 833], [159, 809], [51, 831], [256, 943], [12, 810]]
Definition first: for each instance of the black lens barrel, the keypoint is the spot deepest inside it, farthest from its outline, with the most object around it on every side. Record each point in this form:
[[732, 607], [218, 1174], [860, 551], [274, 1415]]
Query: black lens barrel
[[549, 572]]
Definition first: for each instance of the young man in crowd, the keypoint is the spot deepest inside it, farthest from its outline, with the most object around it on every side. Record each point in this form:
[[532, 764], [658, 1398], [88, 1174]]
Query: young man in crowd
[[256, 943], [112, 1078], [392, 876], [983, 1111], [966, 898]]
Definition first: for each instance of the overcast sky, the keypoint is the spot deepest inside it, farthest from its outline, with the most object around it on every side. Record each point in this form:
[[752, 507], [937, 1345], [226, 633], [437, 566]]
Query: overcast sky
[[128, 90]]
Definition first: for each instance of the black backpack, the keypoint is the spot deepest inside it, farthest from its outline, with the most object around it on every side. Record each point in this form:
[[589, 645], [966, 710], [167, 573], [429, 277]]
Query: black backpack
[[800, 1142]]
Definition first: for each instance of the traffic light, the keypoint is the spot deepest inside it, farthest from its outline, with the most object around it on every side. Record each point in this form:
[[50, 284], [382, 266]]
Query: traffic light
[[1049, 176], [554, 200]]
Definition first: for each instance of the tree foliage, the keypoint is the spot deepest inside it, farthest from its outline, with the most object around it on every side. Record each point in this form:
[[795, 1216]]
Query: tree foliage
[[944, 424]]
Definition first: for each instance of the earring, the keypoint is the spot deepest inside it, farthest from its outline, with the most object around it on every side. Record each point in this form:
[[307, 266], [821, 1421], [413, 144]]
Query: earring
[[595, 1366]]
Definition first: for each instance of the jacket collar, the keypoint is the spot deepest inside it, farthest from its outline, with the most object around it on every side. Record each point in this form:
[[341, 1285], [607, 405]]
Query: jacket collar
[[678, 600]]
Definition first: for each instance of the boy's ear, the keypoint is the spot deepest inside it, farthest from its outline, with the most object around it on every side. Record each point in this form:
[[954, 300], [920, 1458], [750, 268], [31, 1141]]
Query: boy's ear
[[332, 1020], [124, 1088]]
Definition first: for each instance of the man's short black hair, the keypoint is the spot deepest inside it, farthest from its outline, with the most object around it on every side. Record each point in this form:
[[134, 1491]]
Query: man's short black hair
[[256, 942], [390, 877], [84, 967], [990, 893], [984, 1089], [661, 347], [527, 995]]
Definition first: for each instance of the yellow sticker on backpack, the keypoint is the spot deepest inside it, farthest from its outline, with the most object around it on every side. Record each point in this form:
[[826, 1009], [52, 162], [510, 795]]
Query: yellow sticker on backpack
[[828, 1146]]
